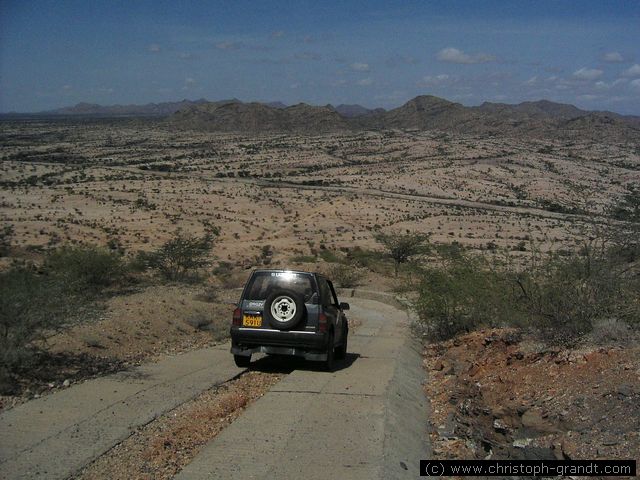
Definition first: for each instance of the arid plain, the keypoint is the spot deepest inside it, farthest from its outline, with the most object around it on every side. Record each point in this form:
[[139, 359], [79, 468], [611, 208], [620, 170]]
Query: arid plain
[[132, 184], [300, 201]]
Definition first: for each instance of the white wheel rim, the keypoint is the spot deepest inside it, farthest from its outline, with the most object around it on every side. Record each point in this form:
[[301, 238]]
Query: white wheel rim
[[283, 308]]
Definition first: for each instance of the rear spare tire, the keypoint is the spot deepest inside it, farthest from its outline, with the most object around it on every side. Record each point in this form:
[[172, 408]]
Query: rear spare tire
[[284, 309]]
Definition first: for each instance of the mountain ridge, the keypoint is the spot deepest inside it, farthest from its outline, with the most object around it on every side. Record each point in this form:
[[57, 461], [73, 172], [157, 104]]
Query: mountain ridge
[[424, 112]]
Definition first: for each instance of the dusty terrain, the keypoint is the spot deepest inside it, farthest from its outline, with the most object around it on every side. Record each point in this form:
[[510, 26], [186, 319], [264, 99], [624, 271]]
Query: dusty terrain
[[131, 184], [294, 201], [501, 394]]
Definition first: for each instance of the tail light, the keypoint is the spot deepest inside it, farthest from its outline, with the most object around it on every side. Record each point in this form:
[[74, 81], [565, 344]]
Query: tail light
[[237, 317], [322, 322]]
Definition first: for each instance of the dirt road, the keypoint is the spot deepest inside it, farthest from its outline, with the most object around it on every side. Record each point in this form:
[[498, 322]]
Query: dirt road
[[365, 420]]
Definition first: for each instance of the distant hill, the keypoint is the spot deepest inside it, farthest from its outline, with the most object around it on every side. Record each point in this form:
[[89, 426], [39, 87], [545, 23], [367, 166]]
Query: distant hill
[[277, 105], [258, 117], [351, 111], [149, 109], [527, 119], [541, 118]]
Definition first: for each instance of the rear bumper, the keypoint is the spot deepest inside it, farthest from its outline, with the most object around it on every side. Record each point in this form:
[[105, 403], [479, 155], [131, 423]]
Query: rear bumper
[[309, 345]]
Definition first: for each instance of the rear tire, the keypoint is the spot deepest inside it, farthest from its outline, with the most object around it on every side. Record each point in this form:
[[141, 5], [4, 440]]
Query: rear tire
[[329, 363], [242, 361], [341, 351]]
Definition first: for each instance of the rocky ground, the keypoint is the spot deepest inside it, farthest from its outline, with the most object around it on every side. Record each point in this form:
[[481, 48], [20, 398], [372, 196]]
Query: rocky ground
[[502, 394]]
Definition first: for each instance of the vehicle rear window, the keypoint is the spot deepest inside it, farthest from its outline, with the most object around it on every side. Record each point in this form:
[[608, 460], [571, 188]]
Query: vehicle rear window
[[262, 284]]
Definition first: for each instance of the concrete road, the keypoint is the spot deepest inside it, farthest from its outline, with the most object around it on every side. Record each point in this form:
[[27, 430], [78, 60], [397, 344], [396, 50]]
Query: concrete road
[[56, 435], [366, 420]]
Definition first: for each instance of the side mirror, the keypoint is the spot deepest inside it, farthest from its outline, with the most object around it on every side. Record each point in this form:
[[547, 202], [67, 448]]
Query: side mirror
[[344, 306]]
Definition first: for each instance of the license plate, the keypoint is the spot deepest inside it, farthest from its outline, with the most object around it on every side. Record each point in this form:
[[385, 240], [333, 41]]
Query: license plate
[[252, 320]]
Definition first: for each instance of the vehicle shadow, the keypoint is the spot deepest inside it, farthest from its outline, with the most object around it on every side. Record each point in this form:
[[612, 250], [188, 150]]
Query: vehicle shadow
[[287, 364]]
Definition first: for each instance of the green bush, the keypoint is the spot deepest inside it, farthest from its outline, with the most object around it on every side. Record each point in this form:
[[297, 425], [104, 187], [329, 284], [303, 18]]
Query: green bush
[[563, 296], [345, 275], [83, 267], [373, 260], [30, 305], [6, 234], [461, 295], [181, 257], [35, 302], [402, 247]]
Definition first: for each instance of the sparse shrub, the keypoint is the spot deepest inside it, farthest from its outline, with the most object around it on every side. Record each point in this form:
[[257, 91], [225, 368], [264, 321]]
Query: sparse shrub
[[181, 257], [328, 255], [561, 295], [30, 305], [459, 296], [199, 321], [92, 341], [83, 267], [6, 234], [402, 247], [304, 259], [345, 275], [209, 295]]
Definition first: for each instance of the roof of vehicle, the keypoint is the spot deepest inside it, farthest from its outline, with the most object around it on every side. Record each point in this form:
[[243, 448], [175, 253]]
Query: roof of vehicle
[[266, 270]]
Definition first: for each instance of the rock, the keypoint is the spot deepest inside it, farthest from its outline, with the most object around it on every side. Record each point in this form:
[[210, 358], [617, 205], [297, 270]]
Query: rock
[[66, 383], [534, 420], [625, 390], [499, 426], [522, 442]]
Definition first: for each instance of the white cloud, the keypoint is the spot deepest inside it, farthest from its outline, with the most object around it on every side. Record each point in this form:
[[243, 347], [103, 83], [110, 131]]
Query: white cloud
[[434, 80], [277, 34], [187, 56], [612, 57], [635, 83], [587, 73], [365, 82], [154, 48], [633, 71], [360, 67], [453, 55], [189, 83], [532, 81]]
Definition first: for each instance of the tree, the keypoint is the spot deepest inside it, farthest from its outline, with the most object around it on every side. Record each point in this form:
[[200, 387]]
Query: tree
[[402, 247], [6, 233], [179, 257]]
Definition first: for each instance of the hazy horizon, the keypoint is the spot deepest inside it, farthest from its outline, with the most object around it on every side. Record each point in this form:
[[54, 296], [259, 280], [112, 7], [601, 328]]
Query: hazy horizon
[[373, 53]]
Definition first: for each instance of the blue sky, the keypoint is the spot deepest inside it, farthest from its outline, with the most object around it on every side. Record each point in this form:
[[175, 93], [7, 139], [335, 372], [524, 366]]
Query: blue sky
[[375, 53]]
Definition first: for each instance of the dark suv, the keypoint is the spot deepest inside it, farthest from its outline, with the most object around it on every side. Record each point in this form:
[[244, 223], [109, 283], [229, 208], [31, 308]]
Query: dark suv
[[285, 312]]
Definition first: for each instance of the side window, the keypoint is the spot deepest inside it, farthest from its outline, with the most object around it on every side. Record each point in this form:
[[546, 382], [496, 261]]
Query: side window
[[325, 293]]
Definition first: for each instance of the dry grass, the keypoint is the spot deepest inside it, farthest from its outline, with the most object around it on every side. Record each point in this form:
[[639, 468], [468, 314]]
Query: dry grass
[[160, 449]]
